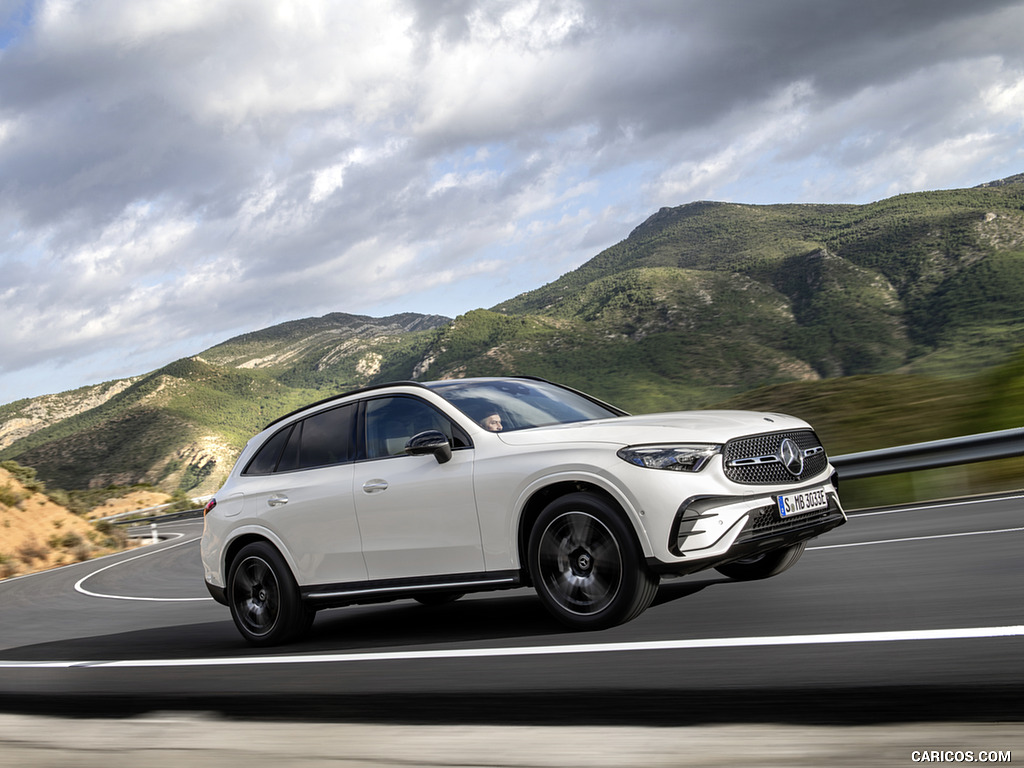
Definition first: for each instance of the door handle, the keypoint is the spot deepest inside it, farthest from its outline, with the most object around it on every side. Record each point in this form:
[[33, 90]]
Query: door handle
[[375, 486], [277, 500]]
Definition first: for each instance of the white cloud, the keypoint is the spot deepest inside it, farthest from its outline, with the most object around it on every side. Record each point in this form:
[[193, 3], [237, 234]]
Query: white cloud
[[1006, 97], [177, 171]]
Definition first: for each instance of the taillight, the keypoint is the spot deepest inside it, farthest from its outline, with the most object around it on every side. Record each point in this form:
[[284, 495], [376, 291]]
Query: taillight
[[209, 507]]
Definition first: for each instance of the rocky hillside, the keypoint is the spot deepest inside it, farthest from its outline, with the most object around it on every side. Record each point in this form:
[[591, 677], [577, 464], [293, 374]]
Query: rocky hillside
[[698, 304], [38, 533]]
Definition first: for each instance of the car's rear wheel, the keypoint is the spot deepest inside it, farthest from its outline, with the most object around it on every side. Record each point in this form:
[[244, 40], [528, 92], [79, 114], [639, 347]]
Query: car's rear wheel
[[763, 565], [586, 564], [264, 598]]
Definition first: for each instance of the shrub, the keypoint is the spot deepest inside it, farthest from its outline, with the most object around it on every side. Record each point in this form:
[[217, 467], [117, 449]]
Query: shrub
[[24, 475], [32, 550], [109, 536], [69, 540], [60, 498], [10, 497]]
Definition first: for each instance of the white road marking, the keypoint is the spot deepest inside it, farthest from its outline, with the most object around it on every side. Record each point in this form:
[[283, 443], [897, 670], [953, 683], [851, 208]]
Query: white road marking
[[968, 633], [935, 505], [84, 591], [915, 538]]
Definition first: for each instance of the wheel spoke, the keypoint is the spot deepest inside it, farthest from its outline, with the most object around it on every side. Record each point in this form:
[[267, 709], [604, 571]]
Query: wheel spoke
[[606, 554], [581, 531], [245, 579], [252, 615]]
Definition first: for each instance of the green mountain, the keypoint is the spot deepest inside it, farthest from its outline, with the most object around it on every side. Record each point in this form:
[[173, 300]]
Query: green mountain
[[710, 299], [699, 304]]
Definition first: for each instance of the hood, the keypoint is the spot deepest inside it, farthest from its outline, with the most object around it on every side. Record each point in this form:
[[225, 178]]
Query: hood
[[677, 427]]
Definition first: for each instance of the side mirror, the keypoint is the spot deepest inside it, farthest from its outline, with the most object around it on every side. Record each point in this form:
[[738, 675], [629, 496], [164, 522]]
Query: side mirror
[[431, 441]]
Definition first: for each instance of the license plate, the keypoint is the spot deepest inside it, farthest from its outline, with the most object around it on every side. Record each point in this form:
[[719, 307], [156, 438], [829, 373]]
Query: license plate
[[800, 503]]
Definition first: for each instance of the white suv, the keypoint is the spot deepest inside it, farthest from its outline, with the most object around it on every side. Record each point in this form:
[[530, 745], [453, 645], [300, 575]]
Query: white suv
[[430, 491]]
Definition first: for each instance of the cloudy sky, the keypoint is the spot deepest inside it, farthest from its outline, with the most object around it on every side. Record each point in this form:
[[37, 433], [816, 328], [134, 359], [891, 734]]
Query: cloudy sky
[[176, 172]]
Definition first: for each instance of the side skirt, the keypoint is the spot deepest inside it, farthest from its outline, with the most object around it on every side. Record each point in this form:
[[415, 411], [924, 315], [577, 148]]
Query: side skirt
[[384, 590]]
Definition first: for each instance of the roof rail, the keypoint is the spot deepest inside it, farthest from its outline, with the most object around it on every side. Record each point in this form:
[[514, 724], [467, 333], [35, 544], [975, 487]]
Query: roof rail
[[332, 398]]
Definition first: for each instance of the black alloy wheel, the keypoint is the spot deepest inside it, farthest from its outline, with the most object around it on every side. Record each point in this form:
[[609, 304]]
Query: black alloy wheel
[[586, 564], [264, 598]]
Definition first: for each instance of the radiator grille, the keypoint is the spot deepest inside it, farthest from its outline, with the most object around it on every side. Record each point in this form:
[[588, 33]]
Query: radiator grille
[[768, 459]]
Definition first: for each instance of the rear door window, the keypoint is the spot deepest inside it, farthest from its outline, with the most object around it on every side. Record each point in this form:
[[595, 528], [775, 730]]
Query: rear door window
[[326, 438]]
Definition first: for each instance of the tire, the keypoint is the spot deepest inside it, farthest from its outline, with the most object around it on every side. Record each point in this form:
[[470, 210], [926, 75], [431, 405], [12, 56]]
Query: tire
[[264, 598], [586, 564], [764, 565]]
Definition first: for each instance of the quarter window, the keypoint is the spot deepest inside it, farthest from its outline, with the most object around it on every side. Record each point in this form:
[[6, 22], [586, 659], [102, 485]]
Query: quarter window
[[265, 460]]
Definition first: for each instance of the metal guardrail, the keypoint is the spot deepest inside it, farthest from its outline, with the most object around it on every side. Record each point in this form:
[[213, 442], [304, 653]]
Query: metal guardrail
[[188, 514], [987, 446]]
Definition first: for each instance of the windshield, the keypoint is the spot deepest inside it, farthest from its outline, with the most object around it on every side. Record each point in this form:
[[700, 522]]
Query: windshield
[[519, 404]]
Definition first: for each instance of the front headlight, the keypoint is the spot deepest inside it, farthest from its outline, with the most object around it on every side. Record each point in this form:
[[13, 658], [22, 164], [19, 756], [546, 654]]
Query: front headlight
[[680, 458]]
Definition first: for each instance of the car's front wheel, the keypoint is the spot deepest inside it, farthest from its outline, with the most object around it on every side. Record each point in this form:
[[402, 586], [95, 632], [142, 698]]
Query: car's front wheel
[[586, 564], [764, 565], [264, 598]]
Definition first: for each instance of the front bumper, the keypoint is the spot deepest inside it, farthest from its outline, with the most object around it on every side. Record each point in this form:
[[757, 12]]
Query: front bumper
[[711, 530]]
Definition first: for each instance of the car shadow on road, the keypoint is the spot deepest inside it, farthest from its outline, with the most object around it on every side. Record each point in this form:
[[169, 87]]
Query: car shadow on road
[[677, 589], [404, 623], [509, 618]]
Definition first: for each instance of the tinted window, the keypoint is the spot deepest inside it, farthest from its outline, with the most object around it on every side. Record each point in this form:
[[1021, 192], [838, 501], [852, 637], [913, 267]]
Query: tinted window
[[265, 460], [326, 438], [319, 441], [391, 421], [290, 456]]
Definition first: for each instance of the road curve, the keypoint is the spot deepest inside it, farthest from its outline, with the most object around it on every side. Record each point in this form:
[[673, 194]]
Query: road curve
[[901, 615]]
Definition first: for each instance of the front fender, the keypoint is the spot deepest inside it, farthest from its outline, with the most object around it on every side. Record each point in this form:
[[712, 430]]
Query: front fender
[[579, 477]]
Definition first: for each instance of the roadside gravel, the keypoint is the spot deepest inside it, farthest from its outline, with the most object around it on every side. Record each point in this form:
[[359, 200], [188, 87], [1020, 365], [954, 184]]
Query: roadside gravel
[[172, 739]]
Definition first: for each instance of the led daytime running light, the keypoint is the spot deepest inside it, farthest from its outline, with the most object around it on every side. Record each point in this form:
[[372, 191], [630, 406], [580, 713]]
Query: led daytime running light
[[676, 458]]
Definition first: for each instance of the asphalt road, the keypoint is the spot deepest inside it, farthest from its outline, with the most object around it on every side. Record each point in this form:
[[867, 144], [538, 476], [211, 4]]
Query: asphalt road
[[899, 616]]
